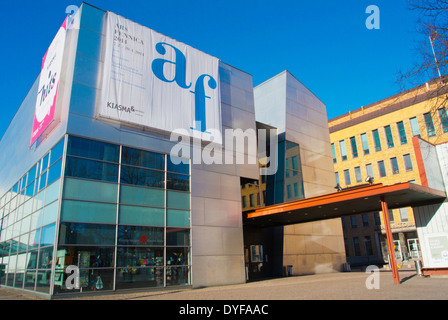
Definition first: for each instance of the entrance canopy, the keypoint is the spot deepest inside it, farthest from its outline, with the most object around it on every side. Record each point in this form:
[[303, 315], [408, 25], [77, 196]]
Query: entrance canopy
[[346, 202]]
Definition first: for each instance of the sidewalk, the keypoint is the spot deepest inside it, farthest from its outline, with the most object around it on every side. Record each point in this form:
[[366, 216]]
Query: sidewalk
[[332, 286]]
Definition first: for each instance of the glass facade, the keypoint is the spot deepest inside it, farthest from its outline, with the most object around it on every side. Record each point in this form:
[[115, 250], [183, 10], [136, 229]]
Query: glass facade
[[120, 214], [29, 212], [287, 184]]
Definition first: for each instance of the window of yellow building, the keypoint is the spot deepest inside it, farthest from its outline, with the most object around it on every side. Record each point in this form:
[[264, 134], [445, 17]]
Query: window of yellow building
[[443, 119], [376, 139], [402, 132], [429, 125], [389, 137], [414, 127]]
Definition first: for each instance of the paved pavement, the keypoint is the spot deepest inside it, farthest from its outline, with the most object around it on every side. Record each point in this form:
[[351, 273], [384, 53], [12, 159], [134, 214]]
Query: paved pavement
[[332, 286]]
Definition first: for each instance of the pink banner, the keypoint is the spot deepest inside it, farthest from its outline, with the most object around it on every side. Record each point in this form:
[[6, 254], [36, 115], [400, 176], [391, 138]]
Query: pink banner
[[48, 84]]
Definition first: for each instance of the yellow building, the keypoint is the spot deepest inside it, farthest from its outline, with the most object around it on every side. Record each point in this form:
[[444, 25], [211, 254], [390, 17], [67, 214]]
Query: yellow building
[[377, 141]]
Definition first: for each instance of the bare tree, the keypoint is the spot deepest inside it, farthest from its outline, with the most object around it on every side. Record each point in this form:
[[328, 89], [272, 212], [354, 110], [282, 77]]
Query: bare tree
[[433, 48], [430, 73]]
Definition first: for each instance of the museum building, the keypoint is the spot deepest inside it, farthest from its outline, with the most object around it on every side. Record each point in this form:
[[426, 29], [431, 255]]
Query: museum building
[[88, 176]]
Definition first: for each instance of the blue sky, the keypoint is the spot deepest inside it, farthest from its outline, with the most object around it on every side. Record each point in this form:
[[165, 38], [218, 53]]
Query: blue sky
[[323, 43]]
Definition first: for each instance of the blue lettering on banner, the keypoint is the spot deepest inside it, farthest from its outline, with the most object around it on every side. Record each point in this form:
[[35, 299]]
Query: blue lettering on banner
[[180, 78], [181, 66]]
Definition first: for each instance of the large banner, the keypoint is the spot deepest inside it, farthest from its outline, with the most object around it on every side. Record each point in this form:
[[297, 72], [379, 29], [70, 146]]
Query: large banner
[[154, 81], [49, 84]]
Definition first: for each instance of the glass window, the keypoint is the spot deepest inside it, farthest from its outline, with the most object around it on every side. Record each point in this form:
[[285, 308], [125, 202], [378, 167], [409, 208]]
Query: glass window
[[251, 200], [429, 125], [43, 181], [407, 162], [139, 257], [34, 239], [178, 200], [354, 147], [243, 201], [32, 260], [54, 172], [365, 220], [57, 152], [140, 158], [368, 245], [365, 144], [178, 218], [443, 115], [178, 165], [142, 177], [32, 174], [143, 216], [90, 169], [347, 177], [45, 258], [353, 222], [92, 149], [376, 218], [402, 132], [394, 165], [77, 189], [142, 196], [356, 246], [376, 139], [358, 174], [343, 150], [86, 256], [389, 137], [83, 233], [369, 170], [381, 169], [89, 212], [29, 192], [177, 256], [336, 174], [177, 182], [414, 127], [140, 236], [404, 215], [142, 277], [177, 237], [52, 192], [50, 213], [47, 237], [44, 164], [333, 151], [391, 216]]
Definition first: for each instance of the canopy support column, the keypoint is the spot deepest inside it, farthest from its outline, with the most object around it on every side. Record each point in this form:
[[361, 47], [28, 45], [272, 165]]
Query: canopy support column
[[390, 241]]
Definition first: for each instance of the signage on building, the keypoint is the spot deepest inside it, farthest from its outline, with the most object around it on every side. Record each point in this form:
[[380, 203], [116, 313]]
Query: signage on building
[[153, 81], [48, 84], [438, 249]]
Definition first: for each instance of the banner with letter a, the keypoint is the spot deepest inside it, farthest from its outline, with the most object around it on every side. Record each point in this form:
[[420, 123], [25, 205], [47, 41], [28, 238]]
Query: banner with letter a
[[153, 81]]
